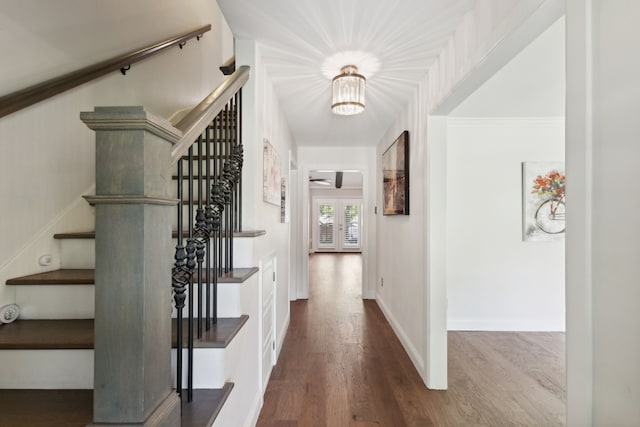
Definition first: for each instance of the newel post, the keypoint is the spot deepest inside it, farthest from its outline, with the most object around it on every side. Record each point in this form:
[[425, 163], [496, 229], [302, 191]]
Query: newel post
[[132, 374]]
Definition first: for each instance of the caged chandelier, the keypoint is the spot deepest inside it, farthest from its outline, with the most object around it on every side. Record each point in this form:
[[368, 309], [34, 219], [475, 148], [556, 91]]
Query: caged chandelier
[[348, 92]]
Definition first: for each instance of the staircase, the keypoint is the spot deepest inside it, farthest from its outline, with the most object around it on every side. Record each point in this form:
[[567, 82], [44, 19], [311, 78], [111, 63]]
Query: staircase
[[47, 354]]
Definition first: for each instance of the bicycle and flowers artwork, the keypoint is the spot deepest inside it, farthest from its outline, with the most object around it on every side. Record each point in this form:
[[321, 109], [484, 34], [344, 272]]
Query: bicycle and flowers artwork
[[543, 199]]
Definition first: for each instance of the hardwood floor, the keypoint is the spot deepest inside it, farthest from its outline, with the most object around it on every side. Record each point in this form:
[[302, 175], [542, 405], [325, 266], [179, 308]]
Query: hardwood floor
[[342, 365]]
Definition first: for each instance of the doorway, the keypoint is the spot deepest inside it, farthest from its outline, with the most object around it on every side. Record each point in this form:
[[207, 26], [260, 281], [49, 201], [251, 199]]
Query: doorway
[[490, 279], [335, 220]]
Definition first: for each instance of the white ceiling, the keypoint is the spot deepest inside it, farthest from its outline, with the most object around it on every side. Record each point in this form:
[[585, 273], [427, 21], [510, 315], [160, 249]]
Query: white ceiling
[[304, 43]]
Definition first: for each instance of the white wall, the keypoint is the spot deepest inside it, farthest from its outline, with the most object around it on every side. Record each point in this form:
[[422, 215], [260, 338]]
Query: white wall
[[400, 250], [495, 280], [47, 153], [603, 322], [263, 119], [411, 250]]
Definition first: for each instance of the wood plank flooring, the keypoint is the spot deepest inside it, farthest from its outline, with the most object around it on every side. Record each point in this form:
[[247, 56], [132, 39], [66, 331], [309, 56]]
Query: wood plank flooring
[[342, 365]]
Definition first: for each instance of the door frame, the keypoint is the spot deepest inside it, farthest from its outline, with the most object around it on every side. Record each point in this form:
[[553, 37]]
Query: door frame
[[340, 158]]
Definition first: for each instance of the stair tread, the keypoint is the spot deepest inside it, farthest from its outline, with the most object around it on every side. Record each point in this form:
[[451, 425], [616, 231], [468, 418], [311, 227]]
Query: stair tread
[[62, 408], [92, 234], [86, 276], [67, 276], [205, 407], [73, 408], [47, 334], [77, 334], [218, 336]]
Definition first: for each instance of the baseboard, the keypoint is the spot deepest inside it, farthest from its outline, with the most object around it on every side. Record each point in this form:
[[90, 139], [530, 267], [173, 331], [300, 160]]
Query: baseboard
[[413, 353], [515, 325], [254, 411], [282, 334]]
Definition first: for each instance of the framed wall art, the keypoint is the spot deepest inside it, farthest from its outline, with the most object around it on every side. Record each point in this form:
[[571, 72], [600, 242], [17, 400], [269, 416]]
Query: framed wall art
[[270, 174], [543, 197], [395, 177], [284, 200]]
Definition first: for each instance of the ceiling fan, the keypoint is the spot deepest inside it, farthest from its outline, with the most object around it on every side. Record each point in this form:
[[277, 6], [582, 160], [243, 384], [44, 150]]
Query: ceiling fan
[[327, 181], [320, 181]]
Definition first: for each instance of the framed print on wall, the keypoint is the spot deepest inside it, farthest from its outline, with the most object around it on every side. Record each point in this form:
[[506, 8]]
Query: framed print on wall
[[395, 177], [284, 200], [543, 197], [270, 174]]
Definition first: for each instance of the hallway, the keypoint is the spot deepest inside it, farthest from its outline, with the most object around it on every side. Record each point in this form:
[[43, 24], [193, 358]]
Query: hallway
[[342, 365]]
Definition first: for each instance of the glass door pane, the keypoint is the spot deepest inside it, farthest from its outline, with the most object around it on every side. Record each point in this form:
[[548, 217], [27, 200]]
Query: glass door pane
[[326, 225], [351, 225]]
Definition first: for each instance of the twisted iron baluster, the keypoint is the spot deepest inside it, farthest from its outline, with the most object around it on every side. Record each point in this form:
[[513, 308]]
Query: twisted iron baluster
[[225, 184], [191, 264], [201, 235], [217, 207], [208, 217], [181, 277]]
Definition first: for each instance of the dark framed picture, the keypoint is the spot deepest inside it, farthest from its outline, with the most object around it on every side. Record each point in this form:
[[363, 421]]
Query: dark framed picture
[[395, 177]]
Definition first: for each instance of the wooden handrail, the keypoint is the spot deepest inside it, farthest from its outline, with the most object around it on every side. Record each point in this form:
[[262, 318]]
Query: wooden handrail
[[25, 97], [195, 122]]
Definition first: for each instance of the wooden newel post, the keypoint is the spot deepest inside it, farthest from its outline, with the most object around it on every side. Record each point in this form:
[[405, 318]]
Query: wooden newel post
[[132, 374]]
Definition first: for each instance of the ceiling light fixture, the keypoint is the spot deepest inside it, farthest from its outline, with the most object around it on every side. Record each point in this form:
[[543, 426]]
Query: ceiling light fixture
[[348, 92]]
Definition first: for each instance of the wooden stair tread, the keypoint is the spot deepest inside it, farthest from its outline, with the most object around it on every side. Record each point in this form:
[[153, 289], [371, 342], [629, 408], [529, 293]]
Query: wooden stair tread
[[237, 275], [77, 334], [74, 408], [174, 233], [67, 276], [47, 334], [70, 276], [45, 408], [205, 407], [218, 336]]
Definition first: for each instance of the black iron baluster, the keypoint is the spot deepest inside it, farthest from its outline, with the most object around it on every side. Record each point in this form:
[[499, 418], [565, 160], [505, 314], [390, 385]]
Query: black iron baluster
[[209, 219], [201, 236], [232, 211], [181, 276], [239, 128], [219, 159], [191, 263]]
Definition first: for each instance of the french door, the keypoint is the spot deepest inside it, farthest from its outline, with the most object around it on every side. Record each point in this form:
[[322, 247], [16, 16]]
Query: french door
[[338, 225]]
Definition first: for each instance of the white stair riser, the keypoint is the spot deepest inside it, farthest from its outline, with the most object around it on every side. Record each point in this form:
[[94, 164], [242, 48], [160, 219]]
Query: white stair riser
[[80, 253], [73, 369], [46, 369], [56, 301], [78, 301], [208, 367], [228, 301]]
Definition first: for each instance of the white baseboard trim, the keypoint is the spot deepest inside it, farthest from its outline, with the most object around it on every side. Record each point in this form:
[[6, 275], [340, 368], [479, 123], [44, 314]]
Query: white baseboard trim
[[282, 334], [414, 354], [512, 325], [254, 411]]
